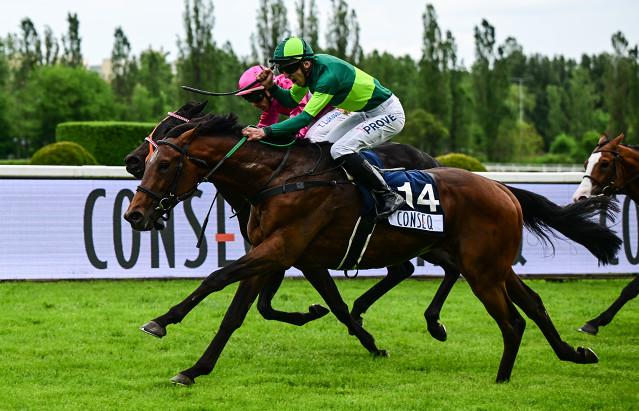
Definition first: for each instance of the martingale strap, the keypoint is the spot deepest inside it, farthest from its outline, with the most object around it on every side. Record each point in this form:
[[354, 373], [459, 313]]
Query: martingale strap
[[287, 188]]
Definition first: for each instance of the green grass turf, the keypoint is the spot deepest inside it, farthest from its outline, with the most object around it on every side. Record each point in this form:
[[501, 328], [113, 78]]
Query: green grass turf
[[76, 345]]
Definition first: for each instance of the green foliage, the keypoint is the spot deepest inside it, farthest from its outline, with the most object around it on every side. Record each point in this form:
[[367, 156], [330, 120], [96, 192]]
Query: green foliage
[[477, 102], [65, 153], [459, 160], [424, 131], [75, 345], [57, 94], [563, 144], [109, 141]]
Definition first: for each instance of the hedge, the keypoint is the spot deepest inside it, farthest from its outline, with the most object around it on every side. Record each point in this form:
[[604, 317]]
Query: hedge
[[64, 153], [464, 161], [108, 141]]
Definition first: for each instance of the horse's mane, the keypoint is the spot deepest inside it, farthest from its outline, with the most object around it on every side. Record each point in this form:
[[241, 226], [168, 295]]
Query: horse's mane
[[210, 123], [216, 124]]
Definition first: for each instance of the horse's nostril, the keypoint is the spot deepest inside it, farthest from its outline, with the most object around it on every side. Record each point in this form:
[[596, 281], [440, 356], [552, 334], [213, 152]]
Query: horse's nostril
[[132, 161], [134, 217]]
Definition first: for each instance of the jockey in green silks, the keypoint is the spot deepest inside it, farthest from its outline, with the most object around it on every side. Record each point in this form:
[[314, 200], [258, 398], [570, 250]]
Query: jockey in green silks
[[373, 115]]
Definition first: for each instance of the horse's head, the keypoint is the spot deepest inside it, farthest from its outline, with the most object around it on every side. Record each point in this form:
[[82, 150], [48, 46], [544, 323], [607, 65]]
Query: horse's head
[[170, 176], [602, 170], [135, 161]]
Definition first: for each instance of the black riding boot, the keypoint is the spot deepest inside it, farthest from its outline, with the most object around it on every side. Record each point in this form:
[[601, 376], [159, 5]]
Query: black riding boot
[[362, 171]]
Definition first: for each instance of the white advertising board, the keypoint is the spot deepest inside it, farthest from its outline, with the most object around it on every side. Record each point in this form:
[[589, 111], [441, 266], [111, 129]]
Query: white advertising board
[[63, 228]]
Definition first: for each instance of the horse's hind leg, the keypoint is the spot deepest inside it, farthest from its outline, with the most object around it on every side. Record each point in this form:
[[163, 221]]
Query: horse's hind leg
[[510, 322], [244, 296], [531, 304], [315, 311], [396, 274], [629, 292], [324, 284], [451, 274]]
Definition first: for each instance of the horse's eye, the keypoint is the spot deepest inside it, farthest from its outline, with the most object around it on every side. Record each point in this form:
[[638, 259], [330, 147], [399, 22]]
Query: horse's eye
[[605, 164], [164, 165]]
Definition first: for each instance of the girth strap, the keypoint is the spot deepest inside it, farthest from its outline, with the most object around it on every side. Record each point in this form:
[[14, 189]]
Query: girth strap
[[287, 188]]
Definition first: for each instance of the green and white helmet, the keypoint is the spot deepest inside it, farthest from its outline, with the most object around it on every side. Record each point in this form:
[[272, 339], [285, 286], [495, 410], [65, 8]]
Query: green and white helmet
[[291, 50]]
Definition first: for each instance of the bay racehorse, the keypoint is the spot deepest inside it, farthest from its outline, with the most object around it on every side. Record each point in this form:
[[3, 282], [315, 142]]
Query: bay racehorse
[[311, 228], [612, 168], [391, 155]]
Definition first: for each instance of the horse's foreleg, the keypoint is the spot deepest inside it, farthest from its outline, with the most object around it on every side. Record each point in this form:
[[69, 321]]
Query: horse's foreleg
[[451, 274], [396, 274], [260, 260], [629, 292], [531, 304], [244, 296], [321, 280], [315, 311]]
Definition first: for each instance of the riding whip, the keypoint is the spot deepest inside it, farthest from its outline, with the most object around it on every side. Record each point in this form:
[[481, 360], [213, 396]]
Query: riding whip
[[229, 93]]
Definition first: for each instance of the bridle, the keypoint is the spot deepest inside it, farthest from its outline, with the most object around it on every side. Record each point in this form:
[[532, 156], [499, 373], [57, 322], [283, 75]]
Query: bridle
[[168, 201], [617, 162], [152, 144]]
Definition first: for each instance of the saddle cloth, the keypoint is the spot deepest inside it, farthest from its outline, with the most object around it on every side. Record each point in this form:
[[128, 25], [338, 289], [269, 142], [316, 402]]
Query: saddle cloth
[[422, 212]]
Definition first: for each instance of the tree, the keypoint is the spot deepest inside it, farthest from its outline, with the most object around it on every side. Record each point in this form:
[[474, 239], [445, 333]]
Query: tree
[[557, 120], [155, 86], [424, 131], [51, 47], [491, 84], [124, 71], [198, 59], [30, 54], [434, 68], [617, 78], [342, 36], [272, 27], [308, 23], [72, 43], [58, 94], [581, 106]]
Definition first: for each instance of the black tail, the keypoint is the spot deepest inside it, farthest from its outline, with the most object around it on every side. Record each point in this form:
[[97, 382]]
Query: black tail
[[574, 221]]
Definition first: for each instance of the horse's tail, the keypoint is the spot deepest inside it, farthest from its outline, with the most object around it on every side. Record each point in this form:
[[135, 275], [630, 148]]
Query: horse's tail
[[574, 221]]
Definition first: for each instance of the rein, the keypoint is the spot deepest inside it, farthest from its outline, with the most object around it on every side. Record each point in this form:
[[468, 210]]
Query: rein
[[168, 201]]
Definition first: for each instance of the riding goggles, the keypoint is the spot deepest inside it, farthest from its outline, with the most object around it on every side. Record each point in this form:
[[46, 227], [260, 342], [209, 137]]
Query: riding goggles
[[288, 68], [254, 97]]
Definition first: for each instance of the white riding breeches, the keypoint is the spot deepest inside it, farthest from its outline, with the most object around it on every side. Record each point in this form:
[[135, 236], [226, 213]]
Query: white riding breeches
[[359, 130]]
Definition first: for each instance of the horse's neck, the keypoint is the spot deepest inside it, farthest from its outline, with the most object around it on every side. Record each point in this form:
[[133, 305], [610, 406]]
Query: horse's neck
[[247, 171], [630, 171]]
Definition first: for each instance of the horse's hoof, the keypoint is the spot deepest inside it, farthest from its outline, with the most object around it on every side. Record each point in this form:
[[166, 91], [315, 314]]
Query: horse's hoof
[[381, 353], [438, 331], [318, 310], [588, 355], [152, 328], [182, 380], [589, 329]]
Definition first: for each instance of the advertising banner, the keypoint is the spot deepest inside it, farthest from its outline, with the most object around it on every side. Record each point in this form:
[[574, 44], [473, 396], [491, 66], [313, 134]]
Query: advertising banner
[[73, 229]]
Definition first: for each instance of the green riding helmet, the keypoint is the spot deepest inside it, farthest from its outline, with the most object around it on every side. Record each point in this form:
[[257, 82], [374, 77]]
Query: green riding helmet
[[292, 50]]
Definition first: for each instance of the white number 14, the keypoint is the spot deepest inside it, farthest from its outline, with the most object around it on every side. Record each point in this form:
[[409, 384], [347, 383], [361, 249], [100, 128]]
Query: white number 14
[[426, 197]]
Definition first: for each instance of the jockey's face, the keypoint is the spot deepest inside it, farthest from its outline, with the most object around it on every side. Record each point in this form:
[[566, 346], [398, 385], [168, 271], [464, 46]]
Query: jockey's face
[[300, 75]]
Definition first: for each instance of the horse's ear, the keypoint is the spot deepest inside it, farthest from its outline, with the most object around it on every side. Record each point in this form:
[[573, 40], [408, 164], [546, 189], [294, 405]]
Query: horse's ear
[[603, 139], [191, 134], [200, 106], [618, 139]]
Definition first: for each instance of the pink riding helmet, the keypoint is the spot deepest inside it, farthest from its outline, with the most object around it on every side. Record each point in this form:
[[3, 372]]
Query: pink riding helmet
[[249, 77]]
